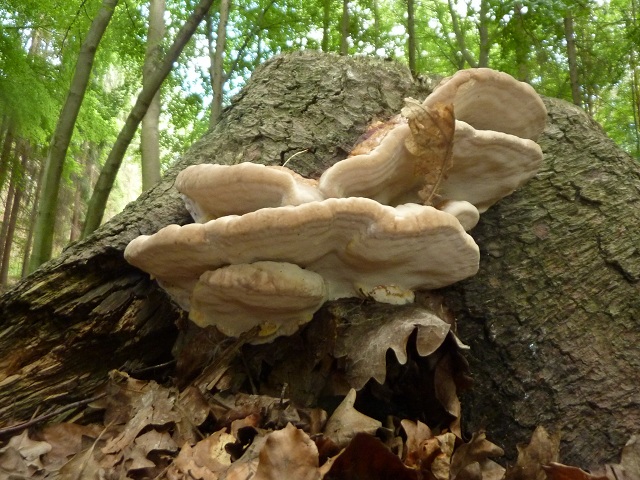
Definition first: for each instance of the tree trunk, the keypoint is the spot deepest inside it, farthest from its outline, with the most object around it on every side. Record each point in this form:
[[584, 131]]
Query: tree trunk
[[150, 129], [326, 23], [11, 193], [460, 37], [37, 175], [635, 80], [521, 42], [216, 68], [45, 219], [411, 36], [5, 156], [572, 58], [551, 317], [13, 219], [344, 29], [107, 177], [483, 34]]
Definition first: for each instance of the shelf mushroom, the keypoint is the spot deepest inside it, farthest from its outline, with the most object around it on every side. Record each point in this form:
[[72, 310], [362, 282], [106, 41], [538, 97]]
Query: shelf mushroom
[[358, 247], [492, 147], [207, 189], [272, 246]]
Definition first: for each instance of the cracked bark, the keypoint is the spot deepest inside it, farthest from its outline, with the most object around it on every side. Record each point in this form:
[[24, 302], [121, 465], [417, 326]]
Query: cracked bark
[[552, 316]]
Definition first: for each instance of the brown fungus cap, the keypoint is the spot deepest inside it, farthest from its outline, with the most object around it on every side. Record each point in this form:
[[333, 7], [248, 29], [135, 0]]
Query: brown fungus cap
[[397, 159], [211, 191], [358, 246]]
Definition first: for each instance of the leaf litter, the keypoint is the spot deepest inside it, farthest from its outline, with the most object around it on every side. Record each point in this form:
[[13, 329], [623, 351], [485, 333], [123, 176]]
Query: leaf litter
[[374, 397]]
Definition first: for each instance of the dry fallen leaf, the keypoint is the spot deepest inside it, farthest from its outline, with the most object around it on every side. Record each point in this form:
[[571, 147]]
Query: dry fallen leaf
[[431, 140], [288, 453], [475, 455], [629, 466], [153, 406], [346, 422], [446, 391], [416, 455], [28, 453], [207, 460], [543, 449], [365, 342], [66, 440], [557, 471], [366, 457]]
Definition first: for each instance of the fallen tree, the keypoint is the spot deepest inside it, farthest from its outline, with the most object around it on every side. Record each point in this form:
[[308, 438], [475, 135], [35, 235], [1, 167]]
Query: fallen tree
[[551, 317]]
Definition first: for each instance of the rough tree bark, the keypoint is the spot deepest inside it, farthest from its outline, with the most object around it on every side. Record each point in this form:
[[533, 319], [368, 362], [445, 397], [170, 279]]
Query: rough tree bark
[[551, 317]]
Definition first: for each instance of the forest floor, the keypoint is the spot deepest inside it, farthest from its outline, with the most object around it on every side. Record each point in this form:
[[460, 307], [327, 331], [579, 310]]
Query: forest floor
[[158, 429]]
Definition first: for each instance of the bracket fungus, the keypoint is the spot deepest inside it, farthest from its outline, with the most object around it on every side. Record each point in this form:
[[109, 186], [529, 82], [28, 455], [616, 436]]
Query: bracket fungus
[[356, 245], [427, 156], [270, 246], [207, 189]]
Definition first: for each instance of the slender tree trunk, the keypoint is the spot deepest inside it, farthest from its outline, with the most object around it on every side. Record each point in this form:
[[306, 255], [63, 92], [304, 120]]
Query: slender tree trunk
[[460, 39], [216, 67], [483, 34], [45, 219], [32, 219], [376, 25], [635, 81], [150, 129], [411, 36], [572, 58], [76, 224], [521, 44], [344, 29], [326, 23], [11, 193], [5, 261], [110, 169], [5, 156]]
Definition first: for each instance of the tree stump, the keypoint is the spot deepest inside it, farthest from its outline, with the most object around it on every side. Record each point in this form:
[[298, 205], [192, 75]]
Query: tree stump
[[552, 317]]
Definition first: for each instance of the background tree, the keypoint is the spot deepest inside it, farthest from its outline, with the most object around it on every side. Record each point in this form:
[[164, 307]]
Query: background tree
[[150, 128], [46, 216], [216, 55], [109, 171]]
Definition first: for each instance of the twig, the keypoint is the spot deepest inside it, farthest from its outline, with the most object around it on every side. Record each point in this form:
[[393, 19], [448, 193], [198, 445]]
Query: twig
[[47, 416], [295, 155], [152, 367]]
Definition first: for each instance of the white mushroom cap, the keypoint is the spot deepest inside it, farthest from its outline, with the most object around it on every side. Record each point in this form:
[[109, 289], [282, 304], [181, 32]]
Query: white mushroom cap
[[466, 213], [492, 151], [487, 166], [279, 297], [490, 100], [211, 191], [358, 246], [385, 173]]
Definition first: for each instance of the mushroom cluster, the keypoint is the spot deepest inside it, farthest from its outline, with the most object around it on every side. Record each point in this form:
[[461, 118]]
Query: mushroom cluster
[[269, 246]]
